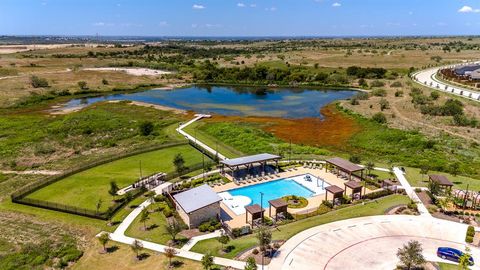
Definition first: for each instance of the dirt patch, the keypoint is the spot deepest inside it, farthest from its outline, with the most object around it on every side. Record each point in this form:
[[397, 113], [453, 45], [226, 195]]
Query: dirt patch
[[335, 130]]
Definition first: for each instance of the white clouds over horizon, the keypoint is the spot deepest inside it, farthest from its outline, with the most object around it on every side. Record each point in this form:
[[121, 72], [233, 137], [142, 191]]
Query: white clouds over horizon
[[468, 9], [197, 6], [336, 4]]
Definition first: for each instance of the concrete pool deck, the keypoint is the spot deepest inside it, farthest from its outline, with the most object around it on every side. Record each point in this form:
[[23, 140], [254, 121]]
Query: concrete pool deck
[[236, 221]]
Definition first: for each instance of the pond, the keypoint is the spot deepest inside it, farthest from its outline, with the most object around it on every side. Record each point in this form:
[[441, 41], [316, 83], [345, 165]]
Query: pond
[[240, 101]]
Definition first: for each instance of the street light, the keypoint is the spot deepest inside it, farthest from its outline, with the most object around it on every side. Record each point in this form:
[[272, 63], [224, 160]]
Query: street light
[[261, 205]]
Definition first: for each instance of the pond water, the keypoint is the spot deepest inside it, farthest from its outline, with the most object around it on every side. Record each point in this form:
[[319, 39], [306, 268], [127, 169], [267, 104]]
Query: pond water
[[242, 101]]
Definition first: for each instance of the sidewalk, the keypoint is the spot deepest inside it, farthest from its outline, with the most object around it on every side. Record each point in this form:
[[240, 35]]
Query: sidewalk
[[411, 192]]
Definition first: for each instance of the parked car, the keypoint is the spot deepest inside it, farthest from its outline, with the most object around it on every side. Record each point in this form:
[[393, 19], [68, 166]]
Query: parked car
[[452, 254]]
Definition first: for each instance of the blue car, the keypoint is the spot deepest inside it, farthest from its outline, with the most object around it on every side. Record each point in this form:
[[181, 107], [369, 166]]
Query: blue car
[[452, 254]]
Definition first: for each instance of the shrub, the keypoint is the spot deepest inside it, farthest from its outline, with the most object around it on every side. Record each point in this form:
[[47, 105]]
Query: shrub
[[38, 82], [361, 96], [159, 198], [204, 227], [167, 212], [432, 209], [434, 95], [379, 118], [377, 83], [355, 159], [469, 239], [379, 92], [146, 128], [236, 232], [471, 231], [82, 85], [377, 194], [255, 251], [396, 84], [418, 190], [211, 228], [399, 93]]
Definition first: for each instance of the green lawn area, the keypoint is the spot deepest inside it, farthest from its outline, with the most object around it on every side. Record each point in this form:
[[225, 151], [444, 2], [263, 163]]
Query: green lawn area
[[195, 130], [156, 229], [416, 180], [448, 266], [84, 189], [286, 231]]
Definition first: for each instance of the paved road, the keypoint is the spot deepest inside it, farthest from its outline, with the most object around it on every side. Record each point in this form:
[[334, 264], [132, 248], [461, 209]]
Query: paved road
[[427, 78], [368, 242]]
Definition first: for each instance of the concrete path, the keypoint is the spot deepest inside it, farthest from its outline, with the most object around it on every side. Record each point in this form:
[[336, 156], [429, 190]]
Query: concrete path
[[427, 78], [411, 192], [198, 142], [33, 172], [368, 243], [194, 240]]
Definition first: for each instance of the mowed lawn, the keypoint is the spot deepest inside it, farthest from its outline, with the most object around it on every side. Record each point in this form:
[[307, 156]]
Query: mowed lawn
[[417, 180], [86, 188], [284, 232]]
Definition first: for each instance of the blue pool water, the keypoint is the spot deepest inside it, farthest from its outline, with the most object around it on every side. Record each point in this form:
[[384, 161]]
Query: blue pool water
[[272, 190]]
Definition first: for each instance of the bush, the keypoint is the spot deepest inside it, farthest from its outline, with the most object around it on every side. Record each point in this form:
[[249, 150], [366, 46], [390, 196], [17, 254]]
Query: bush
[[236, 232], [167, 212], [211, 228], [204, 227], [159, 198], [379, 118], [396, 84], [379, 92], [377, 194], [82, 85], [355, 159], [399, 93], [469, 239], [255, 251], [38, 82], [432, 209], [146, 128], [377, 83], [434, 95]]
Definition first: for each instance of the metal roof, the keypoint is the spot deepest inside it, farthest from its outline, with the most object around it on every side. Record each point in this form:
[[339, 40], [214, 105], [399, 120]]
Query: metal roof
[[249, 159], [196, 198], [344, 164], [464, 69], [441, 180]]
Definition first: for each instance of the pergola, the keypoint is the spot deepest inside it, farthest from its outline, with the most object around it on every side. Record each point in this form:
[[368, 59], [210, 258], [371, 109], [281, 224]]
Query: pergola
[[345, 166], [389, 184], [336, 191], [441, 180], [280, 206], [356, 188], [248, 162], [255, 211]]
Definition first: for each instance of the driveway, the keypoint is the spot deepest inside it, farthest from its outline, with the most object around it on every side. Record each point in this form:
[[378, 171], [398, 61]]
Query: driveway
[[368, 242]]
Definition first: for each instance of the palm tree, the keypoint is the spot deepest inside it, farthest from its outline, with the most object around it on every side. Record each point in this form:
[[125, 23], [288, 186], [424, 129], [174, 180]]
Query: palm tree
[[113, 189], [103, 239], [170, 253], [136, 247], [144, 217], [369, 166]]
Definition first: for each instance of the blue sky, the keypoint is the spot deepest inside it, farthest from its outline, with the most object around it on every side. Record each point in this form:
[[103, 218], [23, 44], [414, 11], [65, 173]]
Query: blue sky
[[240, 18]]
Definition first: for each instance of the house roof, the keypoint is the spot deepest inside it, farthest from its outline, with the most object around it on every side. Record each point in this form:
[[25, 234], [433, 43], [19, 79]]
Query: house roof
[[441, 180], [344, 164], [465, 69], [249, 159], [196, 198]]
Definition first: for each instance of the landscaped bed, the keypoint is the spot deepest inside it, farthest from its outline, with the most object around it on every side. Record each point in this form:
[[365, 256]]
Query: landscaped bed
[[86, 188]]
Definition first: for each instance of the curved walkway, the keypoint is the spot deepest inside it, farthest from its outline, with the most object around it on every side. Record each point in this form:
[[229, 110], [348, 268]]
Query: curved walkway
[[368, 242], [427, 78]]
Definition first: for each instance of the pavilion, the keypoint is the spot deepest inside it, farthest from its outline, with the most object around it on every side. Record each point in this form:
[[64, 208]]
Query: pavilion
[[255, 211], [441, 180], [356, 188], [336, 191], [280, 205], [246, 165], [341, 165]]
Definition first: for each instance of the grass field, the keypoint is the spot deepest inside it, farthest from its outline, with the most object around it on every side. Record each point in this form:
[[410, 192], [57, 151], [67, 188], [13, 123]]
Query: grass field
[[415, 178], [84, 189], [286, 231]]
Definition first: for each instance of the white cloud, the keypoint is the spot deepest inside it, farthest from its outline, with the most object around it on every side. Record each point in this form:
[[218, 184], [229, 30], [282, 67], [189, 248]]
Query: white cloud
[[253, 5], [271, 9], [197, 6], [336, 4], [468, 9], [242, 5], [100, 24]]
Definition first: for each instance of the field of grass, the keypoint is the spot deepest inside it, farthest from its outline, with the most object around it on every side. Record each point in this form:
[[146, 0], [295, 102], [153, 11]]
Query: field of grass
[[195, 130], [286, 231], [417, 180], [447, 266], [84, 189]]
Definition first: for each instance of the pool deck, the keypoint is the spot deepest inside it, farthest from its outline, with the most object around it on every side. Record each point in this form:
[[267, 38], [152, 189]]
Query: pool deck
[[313, 202]]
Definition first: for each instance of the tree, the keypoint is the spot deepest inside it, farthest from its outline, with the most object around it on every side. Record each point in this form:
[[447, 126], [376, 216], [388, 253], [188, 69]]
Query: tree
[[103, 239], [207, 261], [113, 189], [264, 236], [464, 260], [179, 163], [173, 228], [410, 254], [104, 82], [99, 204], [37, 82], [146, 128], [455, 168], [379, 118], [223, 239], [251, 264], [434, 187], [136, 247], [170, 253], [144, 217], [369, 166], [384, 104], [424, 170], [82, 85]]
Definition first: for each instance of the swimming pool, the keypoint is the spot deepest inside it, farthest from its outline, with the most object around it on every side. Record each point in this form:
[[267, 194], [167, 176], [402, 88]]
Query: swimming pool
[[303, 185]]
